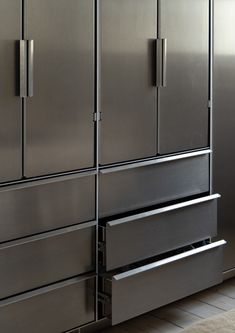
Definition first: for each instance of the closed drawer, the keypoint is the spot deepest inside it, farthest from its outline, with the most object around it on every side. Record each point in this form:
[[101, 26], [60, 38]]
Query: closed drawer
[[52, 309], [127, 188], [145, 235], [45, 205], [40, 260], [148, 287]]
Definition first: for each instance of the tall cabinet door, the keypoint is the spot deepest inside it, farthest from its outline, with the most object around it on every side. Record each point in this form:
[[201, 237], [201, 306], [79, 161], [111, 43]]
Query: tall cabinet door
[[59, 116], [128, 96], [10, 102], [183, 105]]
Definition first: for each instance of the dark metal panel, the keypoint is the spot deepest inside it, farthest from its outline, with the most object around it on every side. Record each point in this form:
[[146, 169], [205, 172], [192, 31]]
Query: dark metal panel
[[149, 234], [39, 207], [149, 287], [59, 116], [10, 102], [145, 186], [47, 258], [128, 101], [183, 112], [53, 309], [224, 123]]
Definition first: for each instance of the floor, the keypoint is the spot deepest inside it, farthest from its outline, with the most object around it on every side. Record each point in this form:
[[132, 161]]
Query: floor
[[173, 318]]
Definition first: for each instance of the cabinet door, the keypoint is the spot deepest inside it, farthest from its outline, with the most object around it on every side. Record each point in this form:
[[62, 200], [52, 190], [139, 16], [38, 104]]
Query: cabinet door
[[59, 116], [183, 112], [10, 102], [128, 100]]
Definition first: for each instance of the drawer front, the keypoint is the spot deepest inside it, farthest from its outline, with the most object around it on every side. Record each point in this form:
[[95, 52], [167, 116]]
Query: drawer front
[[149, 287], [145, 235], [47, 258], [46, 205], [54, 309], [148, 185]]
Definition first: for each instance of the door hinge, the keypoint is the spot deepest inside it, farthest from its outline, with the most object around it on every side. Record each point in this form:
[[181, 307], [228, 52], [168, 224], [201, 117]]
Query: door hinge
[[97, 116], [104, 298]]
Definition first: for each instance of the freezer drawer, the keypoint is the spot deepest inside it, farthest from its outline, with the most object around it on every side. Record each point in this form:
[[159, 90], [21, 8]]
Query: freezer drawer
[[41, 206], [148, 234], [148, 287], [127, 188], [53, 309], [40, 260]]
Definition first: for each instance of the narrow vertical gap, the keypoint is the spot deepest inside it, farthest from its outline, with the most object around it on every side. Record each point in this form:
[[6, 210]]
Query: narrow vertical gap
[[22, 99], [158, 89], [211, 65]]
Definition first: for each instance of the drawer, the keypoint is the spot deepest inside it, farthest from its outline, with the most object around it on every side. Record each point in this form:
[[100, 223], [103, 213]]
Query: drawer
[[127, 188], [52, 309], [145, 235], [146, 288], [40, 260], [45, 205]]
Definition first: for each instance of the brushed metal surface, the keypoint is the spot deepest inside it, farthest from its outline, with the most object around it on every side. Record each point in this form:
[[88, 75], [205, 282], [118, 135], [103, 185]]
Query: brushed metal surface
[[183, 104], [52, 309], [224, 123], [142, 187], [59, 117], [47, 258], [149, 287], [128, 101], [42, 206], [142, 237], [10, 102]]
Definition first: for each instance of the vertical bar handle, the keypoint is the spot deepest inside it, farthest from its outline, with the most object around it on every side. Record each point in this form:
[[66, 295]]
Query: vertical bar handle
[[164, 62], [161, 63], [23, 68], [30, 67]]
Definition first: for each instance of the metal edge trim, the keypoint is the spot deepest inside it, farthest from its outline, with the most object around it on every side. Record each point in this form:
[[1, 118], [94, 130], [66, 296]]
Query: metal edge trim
[[169, 260], [49, 234], [155, 161], [163, 210], [45, 290]]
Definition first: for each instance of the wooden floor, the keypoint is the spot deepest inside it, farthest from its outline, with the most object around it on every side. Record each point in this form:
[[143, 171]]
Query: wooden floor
[[173, 318]]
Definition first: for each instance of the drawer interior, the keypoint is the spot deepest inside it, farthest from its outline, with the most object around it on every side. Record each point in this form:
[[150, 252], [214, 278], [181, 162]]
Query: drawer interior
[[138, 237], [158, 283]]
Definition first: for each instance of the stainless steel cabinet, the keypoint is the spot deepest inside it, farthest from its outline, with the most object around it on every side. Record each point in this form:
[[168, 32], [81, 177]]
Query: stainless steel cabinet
[[128, 100], [59, 117], [224, 123], [183, 111], [10, 103]]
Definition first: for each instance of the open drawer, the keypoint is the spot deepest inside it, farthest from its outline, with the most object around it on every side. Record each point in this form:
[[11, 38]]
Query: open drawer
[[148, 287], [138, 237]]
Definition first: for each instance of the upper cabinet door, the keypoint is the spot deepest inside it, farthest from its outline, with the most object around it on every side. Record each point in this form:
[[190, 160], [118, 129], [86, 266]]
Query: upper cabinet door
[[59, 116], [10, 102], [183, 105], [128, 94]]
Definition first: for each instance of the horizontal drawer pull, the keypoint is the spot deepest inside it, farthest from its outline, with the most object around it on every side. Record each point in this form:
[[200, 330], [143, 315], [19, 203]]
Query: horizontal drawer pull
[[155, 161], [169, 260], [163, 210]]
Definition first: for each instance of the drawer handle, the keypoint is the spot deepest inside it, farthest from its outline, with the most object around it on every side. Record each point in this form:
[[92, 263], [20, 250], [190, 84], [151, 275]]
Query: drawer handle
[[155, 161], [169, 260], [163, 210]]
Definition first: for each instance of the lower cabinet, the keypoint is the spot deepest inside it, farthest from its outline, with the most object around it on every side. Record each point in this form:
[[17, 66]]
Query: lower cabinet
[[54, 309], [142, 289]]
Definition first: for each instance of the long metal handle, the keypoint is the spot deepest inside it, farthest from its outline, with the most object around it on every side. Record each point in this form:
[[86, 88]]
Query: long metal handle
[[164, 62], [23, 68], [161, 63], [163, 210], [30, 67], [169, 260]]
